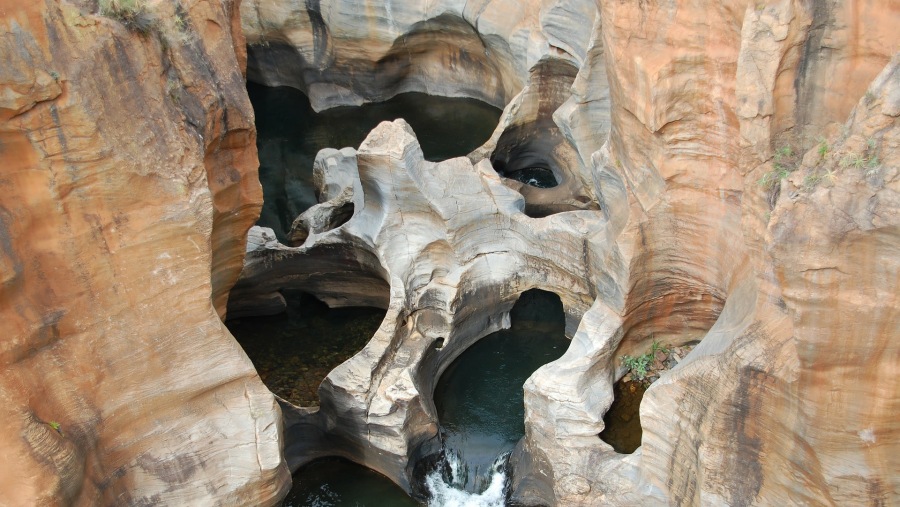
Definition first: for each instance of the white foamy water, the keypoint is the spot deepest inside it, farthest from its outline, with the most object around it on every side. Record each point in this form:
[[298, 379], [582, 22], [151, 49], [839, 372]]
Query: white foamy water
[[450, 493]]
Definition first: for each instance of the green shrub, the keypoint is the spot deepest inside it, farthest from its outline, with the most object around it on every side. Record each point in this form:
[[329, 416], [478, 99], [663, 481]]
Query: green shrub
[[785, 163], [854, 160], [823, 148], [56, 426]]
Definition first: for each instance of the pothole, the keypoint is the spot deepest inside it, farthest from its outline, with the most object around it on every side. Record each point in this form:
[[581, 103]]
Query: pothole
[[480, 400], [295, 350], [290, 134], [539, 177], [622, 422], [337, 481]]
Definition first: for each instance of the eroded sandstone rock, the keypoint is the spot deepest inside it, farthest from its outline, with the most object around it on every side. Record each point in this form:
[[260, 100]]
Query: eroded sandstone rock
[[701, 99], [126, 189], [455, 249], [747, 404], [341, 54], [125, 201]]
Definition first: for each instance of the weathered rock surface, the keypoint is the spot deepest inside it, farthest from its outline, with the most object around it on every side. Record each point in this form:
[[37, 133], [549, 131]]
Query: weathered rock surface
[[347, 53], [453, 249], [752, 416], [787, 399], [126, 192], [127, 185]]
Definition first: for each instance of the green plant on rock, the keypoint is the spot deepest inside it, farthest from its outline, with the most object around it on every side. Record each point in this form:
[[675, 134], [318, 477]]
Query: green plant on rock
[[132, 13], [771, 179], [854, 160], [56, 426], [823, 148], [784, 158], [783, 153], [811, 180], [639, 366], [782, 167]]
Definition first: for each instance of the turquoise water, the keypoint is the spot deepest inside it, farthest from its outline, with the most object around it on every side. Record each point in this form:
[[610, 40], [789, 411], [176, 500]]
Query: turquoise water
[[290, 134]]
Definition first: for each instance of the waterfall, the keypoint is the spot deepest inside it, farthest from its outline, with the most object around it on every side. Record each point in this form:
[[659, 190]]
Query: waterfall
[[447, 484]]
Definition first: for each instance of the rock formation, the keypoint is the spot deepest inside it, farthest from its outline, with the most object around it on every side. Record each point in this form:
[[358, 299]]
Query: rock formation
[[722, 152], [727, 173], [126, 190], [749, 403], [345, 53]]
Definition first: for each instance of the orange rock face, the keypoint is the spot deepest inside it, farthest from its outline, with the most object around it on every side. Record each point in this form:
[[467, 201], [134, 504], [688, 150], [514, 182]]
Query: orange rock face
[[748, 191], [127, 184], [791, 286]]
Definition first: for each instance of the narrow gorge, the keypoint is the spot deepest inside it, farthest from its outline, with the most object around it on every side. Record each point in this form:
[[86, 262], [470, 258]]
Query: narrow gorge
[[447, 252]]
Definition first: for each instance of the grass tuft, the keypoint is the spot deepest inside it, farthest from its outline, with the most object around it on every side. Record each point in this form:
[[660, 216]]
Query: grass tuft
[[132, 13]]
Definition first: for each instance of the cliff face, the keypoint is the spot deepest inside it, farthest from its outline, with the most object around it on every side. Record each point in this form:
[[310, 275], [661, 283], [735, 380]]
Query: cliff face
[[126, 189], [343, 53], [757, 146], [728, 174], [747, 200]]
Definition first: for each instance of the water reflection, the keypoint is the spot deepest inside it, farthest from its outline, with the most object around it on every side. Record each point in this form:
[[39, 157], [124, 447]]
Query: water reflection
[[336, 482]]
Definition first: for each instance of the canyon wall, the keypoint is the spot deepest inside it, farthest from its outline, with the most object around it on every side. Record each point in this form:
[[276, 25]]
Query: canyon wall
[[127, 185], [750, 187], [728, 175], [347, 53], [734, 164]]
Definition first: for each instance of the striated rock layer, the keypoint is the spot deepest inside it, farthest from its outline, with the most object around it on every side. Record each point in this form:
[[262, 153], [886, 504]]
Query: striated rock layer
[[127, 185], [349, 53], [786, 399], [745, 197], [727, 173]]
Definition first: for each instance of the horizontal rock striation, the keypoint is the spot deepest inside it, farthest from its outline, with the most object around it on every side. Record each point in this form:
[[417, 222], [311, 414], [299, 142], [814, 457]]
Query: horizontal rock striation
[[743, 420], [344, 53], [126, 190], [734, 204]]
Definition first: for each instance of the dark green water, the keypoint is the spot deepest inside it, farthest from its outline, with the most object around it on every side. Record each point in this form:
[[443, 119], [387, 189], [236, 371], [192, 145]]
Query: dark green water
[[295, 350], [479, 398], [290, 134], [336, 482]]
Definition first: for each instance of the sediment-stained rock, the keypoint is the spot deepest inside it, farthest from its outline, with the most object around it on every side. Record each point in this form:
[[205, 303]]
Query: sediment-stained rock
[[743, 420], [127, 185], [529, 139]]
